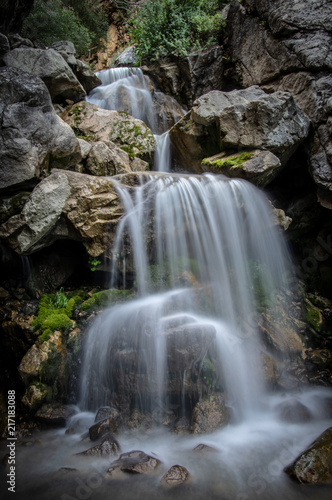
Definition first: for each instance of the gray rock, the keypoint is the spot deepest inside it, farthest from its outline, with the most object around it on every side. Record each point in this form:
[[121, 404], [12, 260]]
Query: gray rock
[[32, 137], [126, 58], [134, 462], [50, 66], [293, 411], [4, 46], [209, 415], [106, 160], [108, 446], [55, 414], [246, 119], [103, 427]]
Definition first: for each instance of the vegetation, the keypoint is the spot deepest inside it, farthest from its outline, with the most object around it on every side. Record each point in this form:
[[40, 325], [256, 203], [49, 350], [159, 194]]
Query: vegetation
[[163, 27], [232, 162], [104, 298], [83, 22]]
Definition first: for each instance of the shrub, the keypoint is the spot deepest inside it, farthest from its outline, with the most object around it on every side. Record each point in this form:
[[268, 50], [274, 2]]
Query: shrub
[[175, 27]]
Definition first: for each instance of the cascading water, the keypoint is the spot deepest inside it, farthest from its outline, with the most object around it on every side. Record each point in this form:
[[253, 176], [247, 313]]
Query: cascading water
[[127, 89]]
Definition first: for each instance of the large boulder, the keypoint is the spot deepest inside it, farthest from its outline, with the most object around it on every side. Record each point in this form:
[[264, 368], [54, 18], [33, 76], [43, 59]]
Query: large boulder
[[92, 122], [33, 138], [66, 205], [247, 120], [51, 67]]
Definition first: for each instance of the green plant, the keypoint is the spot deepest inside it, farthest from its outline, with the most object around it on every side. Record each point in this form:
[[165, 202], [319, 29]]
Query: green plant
[[94, 263], [175, 27], [60, 300]]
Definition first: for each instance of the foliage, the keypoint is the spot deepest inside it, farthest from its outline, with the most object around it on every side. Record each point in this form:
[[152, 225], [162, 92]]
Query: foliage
[[60, 300], [103, 298], [163, 27], [81, 22], [235, 161], [94, 263]]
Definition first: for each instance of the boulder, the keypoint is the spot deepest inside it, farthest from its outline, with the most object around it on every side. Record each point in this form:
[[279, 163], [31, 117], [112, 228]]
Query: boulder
[[65, 205], [314, 465], [51, 67], [126, 58], [55, 414], [176, 475], [35, 396], [32, 137], [103, 427], [105, 158], [92, 122], [135, 462], [246, 120], [293, 411], [209, 415], [108, 446]]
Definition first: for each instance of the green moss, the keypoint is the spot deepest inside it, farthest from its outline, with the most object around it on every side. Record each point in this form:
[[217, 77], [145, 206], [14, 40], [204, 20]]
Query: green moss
[[208, 373], [232, 162], [313, 316], [104, 298]]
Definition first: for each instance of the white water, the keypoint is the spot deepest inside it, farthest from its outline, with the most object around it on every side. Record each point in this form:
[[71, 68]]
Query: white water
[[127, 89]]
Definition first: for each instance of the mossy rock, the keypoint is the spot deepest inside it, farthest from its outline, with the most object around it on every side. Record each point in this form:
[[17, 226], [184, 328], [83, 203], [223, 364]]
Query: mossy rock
[[234, 162], [104, 298], [313, 316]]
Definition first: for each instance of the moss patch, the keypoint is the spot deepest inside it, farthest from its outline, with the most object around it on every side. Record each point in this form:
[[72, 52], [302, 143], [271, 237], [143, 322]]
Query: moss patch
[[104, 298], [232, 162], [313, 316]]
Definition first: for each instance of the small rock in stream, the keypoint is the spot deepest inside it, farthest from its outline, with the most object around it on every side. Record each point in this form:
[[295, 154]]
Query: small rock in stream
[[176, 475]]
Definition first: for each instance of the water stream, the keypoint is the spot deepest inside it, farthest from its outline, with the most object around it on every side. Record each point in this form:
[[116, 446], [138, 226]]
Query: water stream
[[202, 255]]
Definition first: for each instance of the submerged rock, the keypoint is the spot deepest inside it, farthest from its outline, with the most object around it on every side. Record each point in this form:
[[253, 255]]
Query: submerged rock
[[103, 427], [176, 475], [108, 446], [314, 465], [54, 414], [293, 411], [135, 462]]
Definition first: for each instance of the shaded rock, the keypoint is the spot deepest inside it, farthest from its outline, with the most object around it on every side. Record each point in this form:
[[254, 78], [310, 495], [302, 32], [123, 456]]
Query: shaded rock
[[32, 137], [247, 120], [65, 205], [176, 475], [4, 46], [16, 41], [293, 411], [129, 133], [209, 415], [181, 425], [107, 412], [50, 66], [107, 159], [135, 462], [55, 414], [314, 465], [13, 205], [35, 395], [108, 446], [188, 78], [103, 427]]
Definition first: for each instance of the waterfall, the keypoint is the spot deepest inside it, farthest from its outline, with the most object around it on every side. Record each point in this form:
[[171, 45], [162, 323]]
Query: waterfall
[[205, 255], [127, 89]]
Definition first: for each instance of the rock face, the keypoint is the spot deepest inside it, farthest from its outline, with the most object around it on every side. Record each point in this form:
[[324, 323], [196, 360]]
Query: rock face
[[65, 205], [51, 67], [246, 120], [33, 137], [314, 465]]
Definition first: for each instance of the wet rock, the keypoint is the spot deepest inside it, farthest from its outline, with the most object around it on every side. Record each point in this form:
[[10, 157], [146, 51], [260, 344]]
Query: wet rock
[[35, 395], [103, 427], [33, 137], [107, 159], [129, 133], [314, 465], [54, 414], [209, 415], [176, 475], [244, 120], [134, 462], [108, 446], [107, 412], [293, 411], [204, 449], [50, 66], [181, 426]]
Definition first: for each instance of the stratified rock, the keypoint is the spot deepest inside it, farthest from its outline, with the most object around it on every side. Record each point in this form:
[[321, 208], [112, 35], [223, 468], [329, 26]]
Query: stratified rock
[[32, 137], [108, 446], [246, 120], [293, 411], [55, 414], [51, 67], [176, 475], [209, 415], [135, 462], [129, 133], [314, 465]]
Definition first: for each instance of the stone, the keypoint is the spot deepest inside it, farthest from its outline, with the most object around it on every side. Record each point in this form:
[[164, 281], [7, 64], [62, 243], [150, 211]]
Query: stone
[[107, 159], [34, 396], [126, 58], [244, 120], [32, 137], [134, 462], [107, 412], [50, 66], [314, 465], [209, 415], [103, 427], [4, 46], [129, 133], [204, 449], [65, 205], [108, 446], [176, 475], [55, 414]]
